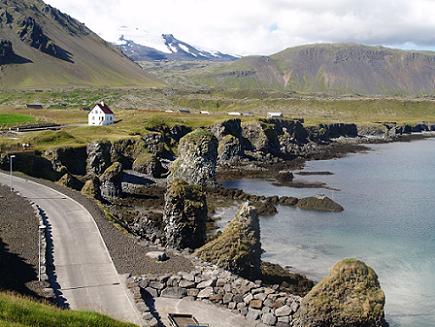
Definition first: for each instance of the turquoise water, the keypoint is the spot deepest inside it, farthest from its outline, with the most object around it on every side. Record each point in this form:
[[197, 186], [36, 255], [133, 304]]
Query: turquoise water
[[389, 222]]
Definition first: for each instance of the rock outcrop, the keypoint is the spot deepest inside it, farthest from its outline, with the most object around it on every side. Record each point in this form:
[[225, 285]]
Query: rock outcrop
[[350, 296], [319, 203], [185, 215], [196, 163], [147, 163], [6, 52], [111, 182], [230, 149], [70, 181], [98, 157], [91, 189], [238, 248]]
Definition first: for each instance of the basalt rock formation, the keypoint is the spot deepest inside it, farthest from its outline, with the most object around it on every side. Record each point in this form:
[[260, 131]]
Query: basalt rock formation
[[197, 159], [230, 149], [185, 215], [350, 296], [238, 248], [98, 157], [147, 163], [111, 182]]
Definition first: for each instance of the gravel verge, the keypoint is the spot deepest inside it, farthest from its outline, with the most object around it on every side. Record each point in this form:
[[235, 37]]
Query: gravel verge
[[18, 245]]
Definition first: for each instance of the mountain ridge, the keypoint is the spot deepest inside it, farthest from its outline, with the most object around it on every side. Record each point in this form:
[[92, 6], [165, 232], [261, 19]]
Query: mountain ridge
[[56, 50], [327, 68]]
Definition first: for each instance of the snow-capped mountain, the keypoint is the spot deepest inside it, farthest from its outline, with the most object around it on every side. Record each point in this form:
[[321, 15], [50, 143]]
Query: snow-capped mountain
[[142, 46]]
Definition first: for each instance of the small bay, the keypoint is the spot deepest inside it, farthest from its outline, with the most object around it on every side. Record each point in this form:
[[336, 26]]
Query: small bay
[[389, 222]]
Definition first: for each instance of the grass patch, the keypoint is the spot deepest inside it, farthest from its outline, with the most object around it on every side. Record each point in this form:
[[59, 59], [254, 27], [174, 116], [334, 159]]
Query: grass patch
[[19, 311], [10, 119]]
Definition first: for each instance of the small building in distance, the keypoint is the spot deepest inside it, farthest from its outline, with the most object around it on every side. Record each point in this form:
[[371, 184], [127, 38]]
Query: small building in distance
[[184, 111], [274, 115], [101, 115], [34, 106], [234, 113], [202, 112]]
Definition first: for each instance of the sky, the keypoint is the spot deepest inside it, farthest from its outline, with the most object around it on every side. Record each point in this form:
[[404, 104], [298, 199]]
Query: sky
[[261, 27]]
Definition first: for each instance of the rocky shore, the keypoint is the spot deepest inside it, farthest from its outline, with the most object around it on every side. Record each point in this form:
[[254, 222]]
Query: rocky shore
[[161, 188]]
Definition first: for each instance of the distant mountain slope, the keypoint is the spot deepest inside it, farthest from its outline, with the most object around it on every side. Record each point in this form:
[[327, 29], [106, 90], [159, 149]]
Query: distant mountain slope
[[165, 47], [329, 68], [41, 47]]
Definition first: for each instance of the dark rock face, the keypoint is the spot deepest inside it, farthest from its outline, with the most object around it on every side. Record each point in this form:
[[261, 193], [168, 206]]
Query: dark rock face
[[278, 137], [99, 157], [230, 149], [197, 159], [350, 296], [319, 203], [284, 176], [111, 182], [31, 33], [155, 143], [238, 248], [5, 17], [185, 215], [123, 151], [229, 127], [6, 51], [72, 159]]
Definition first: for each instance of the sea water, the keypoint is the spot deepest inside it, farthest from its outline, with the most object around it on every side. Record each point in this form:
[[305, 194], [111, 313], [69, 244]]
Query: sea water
[[389, 222]]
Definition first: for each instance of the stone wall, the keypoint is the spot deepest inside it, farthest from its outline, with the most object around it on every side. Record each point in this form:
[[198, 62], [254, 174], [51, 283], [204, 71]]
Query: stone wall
[[216, 286]]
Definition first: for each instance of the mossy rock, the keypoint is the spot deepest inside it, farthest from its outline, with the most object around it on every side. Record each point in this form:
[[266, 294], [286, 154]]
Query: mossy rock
[[238, 247], [185, 215], [112, 172], [350, 296], [91, 189], [70, 181]]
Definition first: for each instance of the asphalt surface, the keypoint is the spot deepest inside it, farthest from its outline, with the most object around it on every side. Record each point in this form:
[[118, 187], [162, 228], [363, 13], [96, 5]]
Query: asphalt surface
[[85, 272]]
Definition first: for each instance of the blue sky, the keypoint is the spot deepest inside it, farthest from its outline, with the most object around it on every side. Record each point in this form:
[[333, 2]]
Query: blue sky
[[249, 27]]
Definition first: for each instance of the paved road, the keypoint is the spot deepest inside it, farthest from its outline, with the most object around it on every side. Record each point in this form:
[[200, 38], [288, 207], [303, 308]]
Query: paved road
[[85, 272]]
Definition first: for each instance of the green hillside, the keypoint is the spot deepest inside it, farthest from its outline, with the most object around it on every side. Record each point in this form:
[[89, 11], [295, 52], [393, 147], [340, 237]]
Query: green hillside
[[335, 69], [41, 47], [22, 312]]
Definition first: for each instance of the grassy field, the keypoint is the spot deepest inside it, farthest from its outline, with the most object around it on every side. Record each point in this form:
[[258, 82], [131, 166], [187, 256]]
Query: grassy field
[[148, 112], [19, 311], [14, 119]]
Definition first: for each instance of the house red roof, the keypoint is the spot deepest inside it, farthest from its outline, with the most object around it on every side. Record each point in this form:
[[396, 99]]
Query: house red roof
[[105, 108]]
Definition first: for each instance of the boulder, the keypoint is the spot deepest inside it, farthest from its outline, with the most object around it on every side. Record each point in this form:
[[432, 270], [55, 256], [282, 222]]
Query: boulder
[[111, 182], [238, 248], [319, 203], [284, 176], [185, 215], [350, 296], [196, 163]]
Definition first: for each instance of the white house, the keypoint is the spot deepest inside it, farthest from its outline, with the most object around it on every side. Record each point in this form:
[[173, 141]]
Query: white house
[[233, 113], [101, 115]]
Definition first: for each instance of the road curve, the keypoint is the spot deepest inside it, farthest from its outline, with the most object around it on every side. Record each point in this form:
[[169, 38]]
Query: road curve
[[85, 272]]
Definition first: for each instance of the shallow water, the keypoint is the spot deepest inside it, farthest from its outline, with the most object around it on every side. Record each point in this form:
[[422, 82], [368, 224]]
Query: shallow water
[[389, 222]]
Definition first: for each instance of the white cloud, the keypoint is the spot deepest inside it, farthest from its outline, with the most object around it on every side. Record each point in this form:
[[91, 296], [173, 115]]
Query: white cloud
[[264, 26]]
